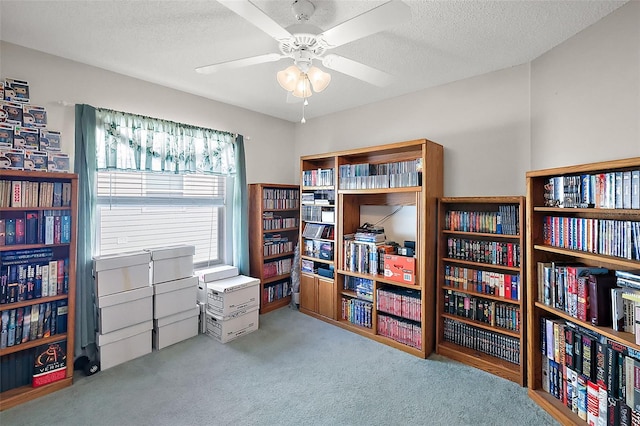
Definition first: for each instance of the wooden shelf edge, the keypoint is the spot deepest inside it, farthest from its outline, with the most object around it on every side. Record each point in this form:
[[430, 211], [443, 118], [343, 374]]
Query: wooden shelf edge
[[482, 361], [555, 408], [275, 278], [32, 344], [17, 396], [276, 304]]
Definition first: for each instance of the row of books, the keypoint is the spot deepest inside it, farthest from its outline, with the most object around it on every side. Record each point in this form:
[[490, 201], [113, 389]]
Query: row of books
[[497, 314], [490, 252], [19, 193], [33, 280], [403, 331], [596, 377], [280, 194], [36, 367], [384, 175], [325, 197], [28, 323], [276, 291], [358, 312], [317, 177], [318, 249], [271, 248], [284, 203], [612, 190], [365, 257], [481, 281], [404, 303], [495, 344], [278, 267], [37, 227], [505, 221], [619, 238], [271, 222]]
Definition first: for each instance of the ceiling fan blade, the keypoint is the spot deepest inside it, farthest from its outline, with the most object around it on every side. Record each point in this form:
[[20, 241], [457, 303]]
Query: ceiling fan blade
[[378, 19], [257, 17], [238, 63], [358, 70]]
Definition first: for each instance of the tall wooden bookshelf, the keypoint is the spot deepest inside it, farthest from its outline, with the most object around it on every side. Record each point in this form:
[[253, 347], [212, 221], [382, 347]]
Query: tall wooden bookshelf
[[404, 174], [481, 288], [38, 200], [578, 199], [274, 211]]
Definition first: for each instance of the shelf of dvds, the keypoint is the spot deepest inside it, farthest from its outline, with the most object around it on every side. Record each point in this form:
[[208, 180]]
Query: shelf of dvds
[[389, 308], [582, 225], [274, 211], [480, 298], [38, 212]]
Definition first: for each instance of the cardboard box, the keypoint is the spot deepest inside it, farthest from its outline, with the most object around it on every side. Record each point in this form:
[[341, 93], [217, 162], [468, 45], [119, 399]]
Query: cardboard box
[[175, 328], [124, 345], [125, 309], [175, 296], [226, 330], [401, 269], [231, 295], [218, 272], [115, 273], [171, 262]]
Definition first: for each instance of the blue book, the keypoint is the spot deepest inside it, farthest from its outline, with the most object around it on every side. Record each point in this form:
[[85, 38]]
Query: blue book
[[10, 232]]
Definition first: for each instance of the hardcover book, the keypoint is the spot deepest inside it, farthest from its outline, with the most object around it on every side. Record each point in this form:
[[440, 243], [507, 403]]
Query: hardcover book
[[600, 286], [50, 363]]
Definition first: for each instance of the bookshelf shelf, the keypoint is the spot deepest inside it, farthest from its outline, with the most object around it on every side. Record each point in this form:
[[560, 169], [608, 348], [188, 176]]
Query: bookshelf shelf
[[42, 190], [273, 219], [482, 293], [604, 185], [384, 164]]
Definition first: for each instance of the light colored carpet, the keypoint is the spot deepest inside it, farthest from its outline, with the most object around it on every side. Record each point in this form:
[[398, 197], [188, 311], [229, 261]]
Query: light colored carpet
[[294, 370]]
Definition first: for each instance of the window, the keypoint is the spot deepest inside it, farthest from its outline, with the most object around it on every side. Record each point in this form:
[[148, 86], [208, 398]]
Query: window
[[138, 210]]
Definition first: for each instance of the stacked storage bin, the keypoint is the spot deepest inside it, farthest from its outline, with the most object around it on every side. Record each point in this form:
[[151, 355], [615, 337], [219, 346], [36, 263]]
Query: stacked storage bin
[[213, 273], [124, 302], [175, 293], [232, 306]]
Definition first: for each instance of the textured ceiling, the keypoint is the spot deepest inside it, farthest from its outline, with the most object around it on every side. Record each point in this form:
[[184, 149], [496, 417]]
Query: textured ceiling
[[163, 41]]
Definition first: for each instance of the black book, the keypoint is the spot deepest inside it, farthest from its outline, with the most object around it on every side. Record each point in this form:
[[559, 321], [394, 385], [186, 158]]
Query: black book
[[589, 357], [625, 413], [613, 411], [612, 372], [601, 367], [568, 347], [577, 350]]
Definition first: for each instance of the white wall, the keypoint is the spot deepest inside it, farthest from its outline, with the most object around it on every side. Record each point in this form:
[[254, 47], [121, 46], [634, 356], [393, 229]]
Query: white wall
[[585, 94], [482, 122], [53, 79]]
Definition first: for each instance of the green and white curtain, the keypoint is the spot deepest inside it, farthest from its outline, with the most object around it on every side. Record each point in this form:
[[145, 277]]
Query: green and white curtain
[[134, 142]]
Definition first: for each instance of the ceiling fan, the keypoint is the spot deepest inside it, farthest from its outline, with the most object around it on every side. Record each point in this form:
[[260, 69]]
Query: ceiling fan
[[306, 44]]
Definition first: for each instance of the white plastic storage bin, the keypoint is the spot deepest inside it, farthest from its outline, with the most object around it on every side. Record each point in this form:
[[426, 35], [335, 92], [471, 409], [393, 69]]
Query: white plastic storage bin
[[224, 297], [125, 309], [115, 273], [124, 345], [171, 262], [176, 328], [175, 296], [225, 330]]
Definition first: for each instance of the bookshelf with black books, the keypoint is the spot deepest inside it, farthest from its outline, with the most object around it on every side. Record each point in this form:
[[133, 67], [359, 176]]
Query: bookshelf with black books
[[274, 220], [583, 249], [38, 215], [381, 289], [481, 287]]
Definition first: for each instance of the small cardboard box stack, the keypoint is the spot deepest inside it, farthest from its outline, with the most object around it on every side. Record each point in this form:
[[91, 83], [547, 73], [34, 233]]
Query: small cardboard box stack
[[213, 273], [175, 293], [232, 304], [125, 307]]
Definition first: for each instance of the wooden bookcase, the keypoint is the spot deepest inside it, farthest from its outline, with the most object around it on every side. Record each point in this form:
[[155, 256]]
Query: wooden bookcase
[[541, 249], [274, 217], [333, 299], [470, 278], [23, 353]]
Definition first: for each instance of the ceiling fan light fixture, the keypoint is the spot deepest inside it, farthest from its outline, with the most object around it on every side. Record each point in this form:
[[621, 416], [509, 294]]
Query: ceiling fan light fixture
[[319, 79], [288, 78]]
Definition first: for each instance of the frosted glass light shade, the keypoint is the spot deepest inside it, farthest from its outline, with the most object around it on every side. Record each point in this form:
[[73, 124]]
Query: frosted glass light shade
[[319, 79], [288, 78], [303, 88]]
